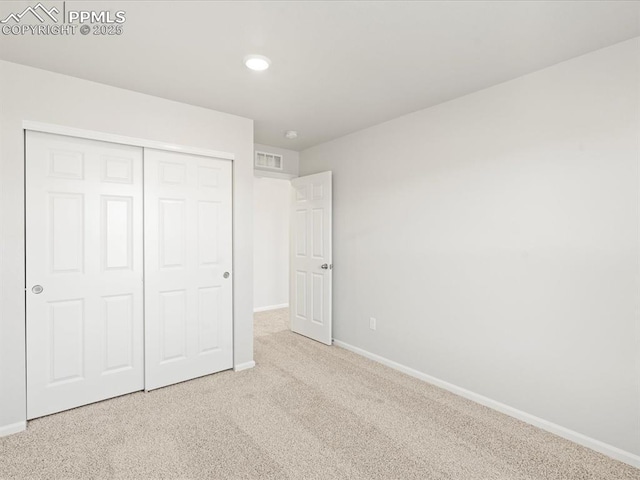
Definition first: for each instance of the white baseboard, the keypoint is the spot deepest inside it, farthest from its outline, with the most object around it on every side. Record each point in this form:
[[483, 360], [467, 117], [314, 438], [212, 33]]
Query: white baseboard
[[13, 428], [579, 438], [244, 366], [270, 307]]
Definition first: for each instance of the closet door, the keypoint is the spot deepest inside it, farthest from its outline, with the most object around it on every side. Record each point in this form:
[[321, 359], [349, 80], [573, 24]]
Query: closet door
[[84, 272], [188, 266]]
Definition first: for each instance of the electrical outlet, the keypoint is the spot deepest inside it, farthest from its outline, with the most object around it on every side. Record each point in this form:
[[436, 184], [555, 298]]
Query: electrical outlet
[[372, 323]]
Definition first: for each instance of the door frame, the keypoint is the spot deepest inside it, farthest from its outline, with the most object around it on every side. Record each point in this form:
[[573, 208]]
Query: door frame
[[122, 139], [28, 125]]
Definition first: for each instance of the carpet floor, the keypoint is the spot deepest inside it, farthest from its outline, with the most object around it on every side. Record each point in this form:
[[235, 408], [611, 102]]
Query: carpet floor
[[306, 411]]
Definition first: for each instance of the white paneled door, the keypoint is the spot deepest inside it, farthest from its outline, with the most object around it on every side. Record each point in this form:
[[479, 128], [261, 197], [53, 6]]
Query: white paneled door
[[311, 267], [84, 272], [188, 266]]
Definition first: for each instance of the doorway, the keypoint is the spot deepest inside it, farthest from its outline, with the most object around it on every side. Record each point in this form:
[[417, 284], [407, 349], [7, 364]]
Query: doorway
[[271, 197], [293, 251]]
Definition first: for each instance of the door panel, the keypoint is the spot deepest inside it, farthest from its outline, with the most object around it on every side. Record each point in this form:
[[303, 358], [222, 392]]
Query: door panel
[[310, 295], [84, 247], [188, 300], [66, 341], [119, 332], [117, 232]]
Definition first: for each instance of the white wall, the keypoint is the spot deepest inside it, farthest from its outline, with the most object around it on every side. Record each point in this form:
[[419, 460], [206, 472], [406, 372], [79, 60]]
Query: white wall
[[495, 239], [271, 242], [31, 94]]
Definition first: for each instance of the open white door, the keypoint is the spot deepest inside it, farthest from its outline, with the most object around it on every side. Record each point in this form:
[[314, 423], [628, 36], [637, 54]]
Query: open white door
[[311, 267], [83, 272], [188, 255]]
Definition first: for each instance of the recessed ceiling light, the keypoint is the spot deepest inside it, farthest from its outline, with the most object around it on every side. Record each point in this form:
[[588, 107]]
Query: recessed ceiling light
[[257, 62], [291, 134]]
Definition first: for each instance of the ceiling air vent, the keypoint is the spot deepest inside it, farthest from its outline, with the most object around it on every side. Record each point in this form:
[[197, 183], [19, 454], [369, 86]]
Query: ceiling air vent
[[269, 161]]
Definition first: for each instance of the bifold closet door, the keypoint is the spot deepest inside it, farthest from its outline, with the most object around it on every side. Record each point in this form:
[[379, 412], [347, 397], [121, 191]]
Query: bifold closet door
[[188, 266], [84, 272]]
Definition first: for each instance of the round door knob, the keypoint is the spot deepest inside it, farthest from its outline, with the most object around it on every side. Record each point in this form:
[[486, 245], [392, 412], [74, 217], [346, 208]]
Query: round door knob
[[225, 274], [37, 289], [324, 266]]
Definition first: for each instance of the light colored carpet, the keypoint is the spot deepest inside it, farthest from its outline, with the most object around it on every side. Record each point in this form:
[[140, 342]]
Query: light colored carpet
[[307, 411]]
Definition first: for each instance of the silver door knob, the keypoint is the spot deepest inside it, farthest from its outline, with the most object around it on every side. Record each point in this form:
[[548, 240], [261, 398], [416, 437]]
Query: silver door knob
[[324, 266], [37, 289], [225, 274]]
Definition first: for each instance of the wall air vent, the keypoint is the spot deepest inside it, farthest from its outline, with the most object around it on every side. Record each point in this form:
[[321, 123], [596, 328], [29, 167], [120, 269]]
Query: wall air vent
[[269, 161]]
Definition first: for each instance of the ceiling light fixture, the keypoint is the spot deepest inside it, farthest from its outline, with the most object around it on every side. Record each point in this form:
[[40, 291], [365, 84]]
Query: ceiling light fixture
[[291, 134], [257, 62]]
